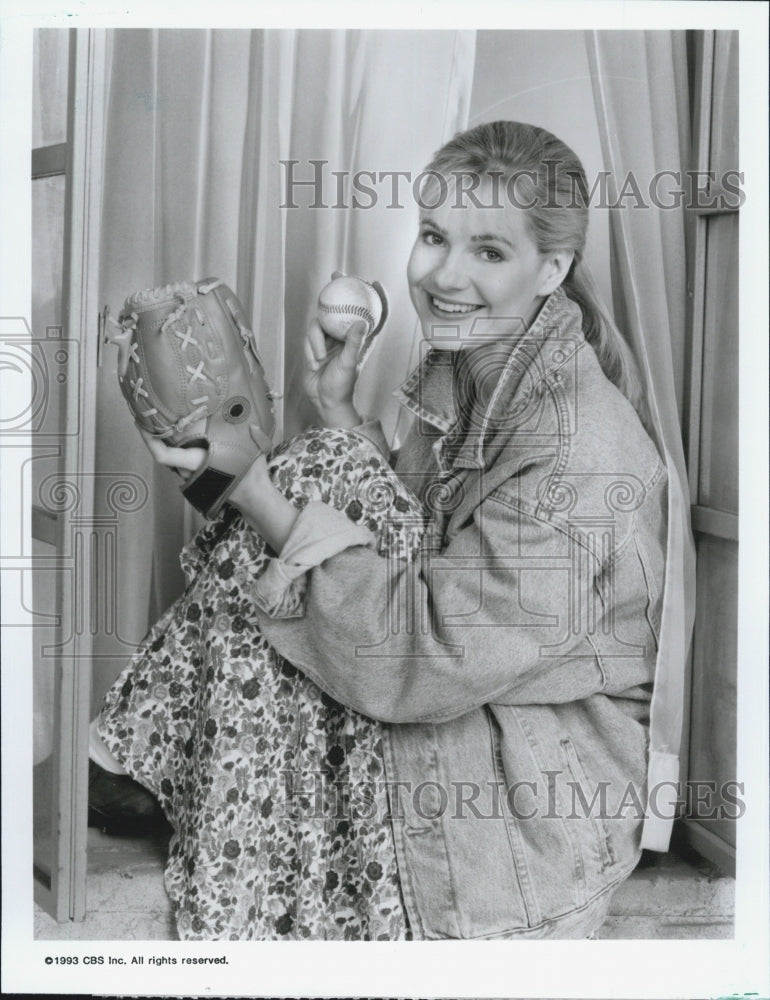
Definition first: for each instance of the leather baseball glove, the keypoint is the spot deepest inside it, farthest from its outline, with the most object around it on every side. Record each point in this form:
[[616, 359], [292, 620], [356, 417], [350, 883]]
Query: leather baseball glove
[[190, 372]]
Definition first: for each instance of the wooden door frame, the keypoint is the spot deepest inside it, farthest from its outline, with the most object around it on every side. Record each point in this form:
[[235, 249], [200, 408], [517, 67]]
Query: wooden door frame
[[64, 897]]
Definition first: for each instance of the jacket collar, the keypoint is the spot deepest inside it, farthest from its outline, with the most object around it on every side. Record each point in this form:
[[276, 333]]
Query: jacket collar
[[428, 390], [538, 355]]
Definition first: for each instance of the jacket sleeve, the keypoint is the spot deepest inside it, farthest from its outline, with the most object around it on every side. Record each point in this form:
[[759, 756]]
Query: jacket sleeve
[[497, 616], [319, 532]]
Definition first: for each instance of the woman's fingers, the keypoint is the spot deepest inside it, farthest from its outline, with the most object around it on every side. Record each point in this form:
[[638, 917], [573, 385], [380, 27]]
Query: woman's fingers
[[352, 347], [337, 274], [316, 342], [188, 459], [311, 361]]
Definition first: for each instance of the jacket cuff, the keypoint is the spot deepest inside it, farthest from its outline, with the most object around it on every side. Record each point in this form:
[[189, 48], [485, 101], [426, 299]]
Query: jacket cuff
[[319, 533], [371, 429]]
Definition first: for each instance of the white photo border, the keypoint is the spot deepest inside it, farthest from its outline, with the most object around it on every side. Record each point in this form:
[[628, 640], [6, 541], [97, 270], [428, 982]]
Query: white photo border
[[640, 968]]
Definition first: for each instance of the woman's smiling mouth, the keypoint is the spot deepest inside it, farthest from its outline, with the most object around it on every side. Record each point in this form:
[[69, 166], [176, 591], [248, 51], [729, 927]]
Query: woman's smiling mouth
[[448, 308]]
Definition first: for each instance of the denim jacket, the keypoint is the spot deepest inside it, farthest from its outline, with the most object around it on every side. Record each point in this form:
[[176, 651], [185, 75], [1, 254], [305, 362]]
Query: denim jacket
[[514, 661]]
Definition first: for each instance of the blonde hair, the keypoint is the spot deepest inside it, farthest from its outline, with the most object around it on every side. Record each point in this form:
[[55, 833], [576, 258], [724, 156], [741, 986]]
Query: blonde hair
[[550, 182]]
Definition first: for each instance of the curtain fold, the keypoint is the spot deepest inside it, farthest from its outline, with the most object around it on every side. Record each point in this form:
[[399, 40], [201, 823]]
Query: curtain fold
[[198, 125], [640, 89], [384, 101]]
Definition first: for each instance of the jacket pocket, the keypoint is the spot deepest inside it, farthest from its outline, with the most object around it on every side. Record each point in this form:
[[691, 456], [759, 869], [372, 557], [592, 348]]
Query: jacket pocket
[[599, 831]]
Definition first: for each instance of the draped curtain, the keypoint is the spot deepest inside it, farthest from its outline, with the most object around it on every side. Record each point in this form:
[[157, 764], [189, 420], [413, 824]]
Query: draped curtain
[[201, 126], [201, 129], [640, 86]]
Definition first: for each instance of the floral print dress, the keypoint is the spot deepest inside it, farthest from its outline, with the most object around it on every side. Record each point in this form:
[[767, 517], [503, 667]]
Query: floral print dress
[[276, 793]]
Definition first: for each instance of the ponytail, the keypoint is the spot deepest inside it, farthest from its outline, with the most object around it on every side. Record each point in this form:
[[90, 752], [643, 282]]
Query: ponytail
[[610, 346]]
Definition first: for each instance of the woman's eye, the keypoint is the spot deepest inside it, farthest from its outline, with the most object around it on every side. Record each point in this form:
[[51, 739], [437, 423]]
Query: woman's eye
[[493, 256], [432, 238]]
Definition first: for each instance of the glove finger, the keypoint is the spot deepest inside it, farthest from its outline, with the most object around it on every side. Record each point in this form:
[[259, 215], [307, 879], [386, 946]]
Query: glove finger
[[337, 274]]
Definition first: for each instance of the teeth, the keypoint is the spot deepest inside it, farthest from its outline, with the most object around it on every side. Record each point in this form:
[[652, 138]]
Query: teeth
[[452, 307]]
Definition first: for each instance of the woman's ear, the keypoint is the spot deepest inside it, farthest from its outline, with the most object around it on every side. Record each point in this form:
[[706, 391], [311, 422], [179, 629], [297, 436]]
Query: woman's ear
[[555, 269]]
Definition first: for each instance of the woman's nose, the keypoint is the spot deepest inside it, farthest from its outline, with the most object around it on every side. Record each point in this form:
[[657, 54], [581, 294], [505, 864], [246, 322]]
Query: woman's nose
[[449, 274]]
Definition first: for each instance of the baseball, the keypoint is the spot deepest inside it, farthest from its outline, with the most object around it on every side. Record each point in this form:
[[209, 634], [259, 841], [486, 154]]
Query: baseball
[[344, 301]]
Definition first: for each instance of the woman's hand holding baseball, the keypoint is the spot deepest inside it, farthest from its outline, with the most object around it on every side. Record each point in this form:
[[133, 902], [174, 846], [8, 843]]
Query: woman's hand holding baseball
[[330, 374]]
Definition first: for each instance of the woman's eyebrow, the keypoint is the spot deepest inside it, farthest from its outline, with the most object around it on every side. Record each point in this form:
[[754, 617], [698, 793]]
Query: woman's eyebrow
[[494, 237], [432, 225]]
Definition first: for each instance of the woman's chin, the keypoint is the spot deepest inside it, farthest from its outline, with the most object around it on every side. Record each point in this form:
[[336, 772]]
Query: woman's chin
[[462, 337], [442, 343], [447, 335]]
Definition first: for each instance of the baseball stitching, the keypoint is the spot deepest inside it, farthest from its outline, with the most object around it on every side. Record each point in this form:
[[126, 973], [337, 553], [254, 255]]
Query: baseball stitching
[[344, 310]]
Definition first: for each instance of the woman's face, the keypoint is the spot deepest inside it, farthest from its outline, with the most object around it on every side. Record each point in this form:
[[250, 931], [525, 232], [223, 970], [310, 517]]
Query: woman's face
[[475, 274]]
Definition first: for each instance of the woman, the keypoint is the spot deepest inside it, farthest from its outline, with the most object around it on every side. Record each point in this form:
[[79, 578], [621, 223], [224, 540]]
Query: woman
[[512, 662]]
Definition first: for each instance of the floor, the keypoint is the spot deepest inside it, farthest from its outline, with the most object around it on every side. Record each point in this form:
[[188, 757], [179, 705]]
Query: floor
[[673, 897]]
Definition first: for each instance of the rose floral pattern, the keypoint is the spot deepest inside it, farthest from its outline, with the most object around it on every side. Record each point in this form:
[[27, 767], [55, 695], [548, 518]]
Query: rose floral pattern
[[275, 792]]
